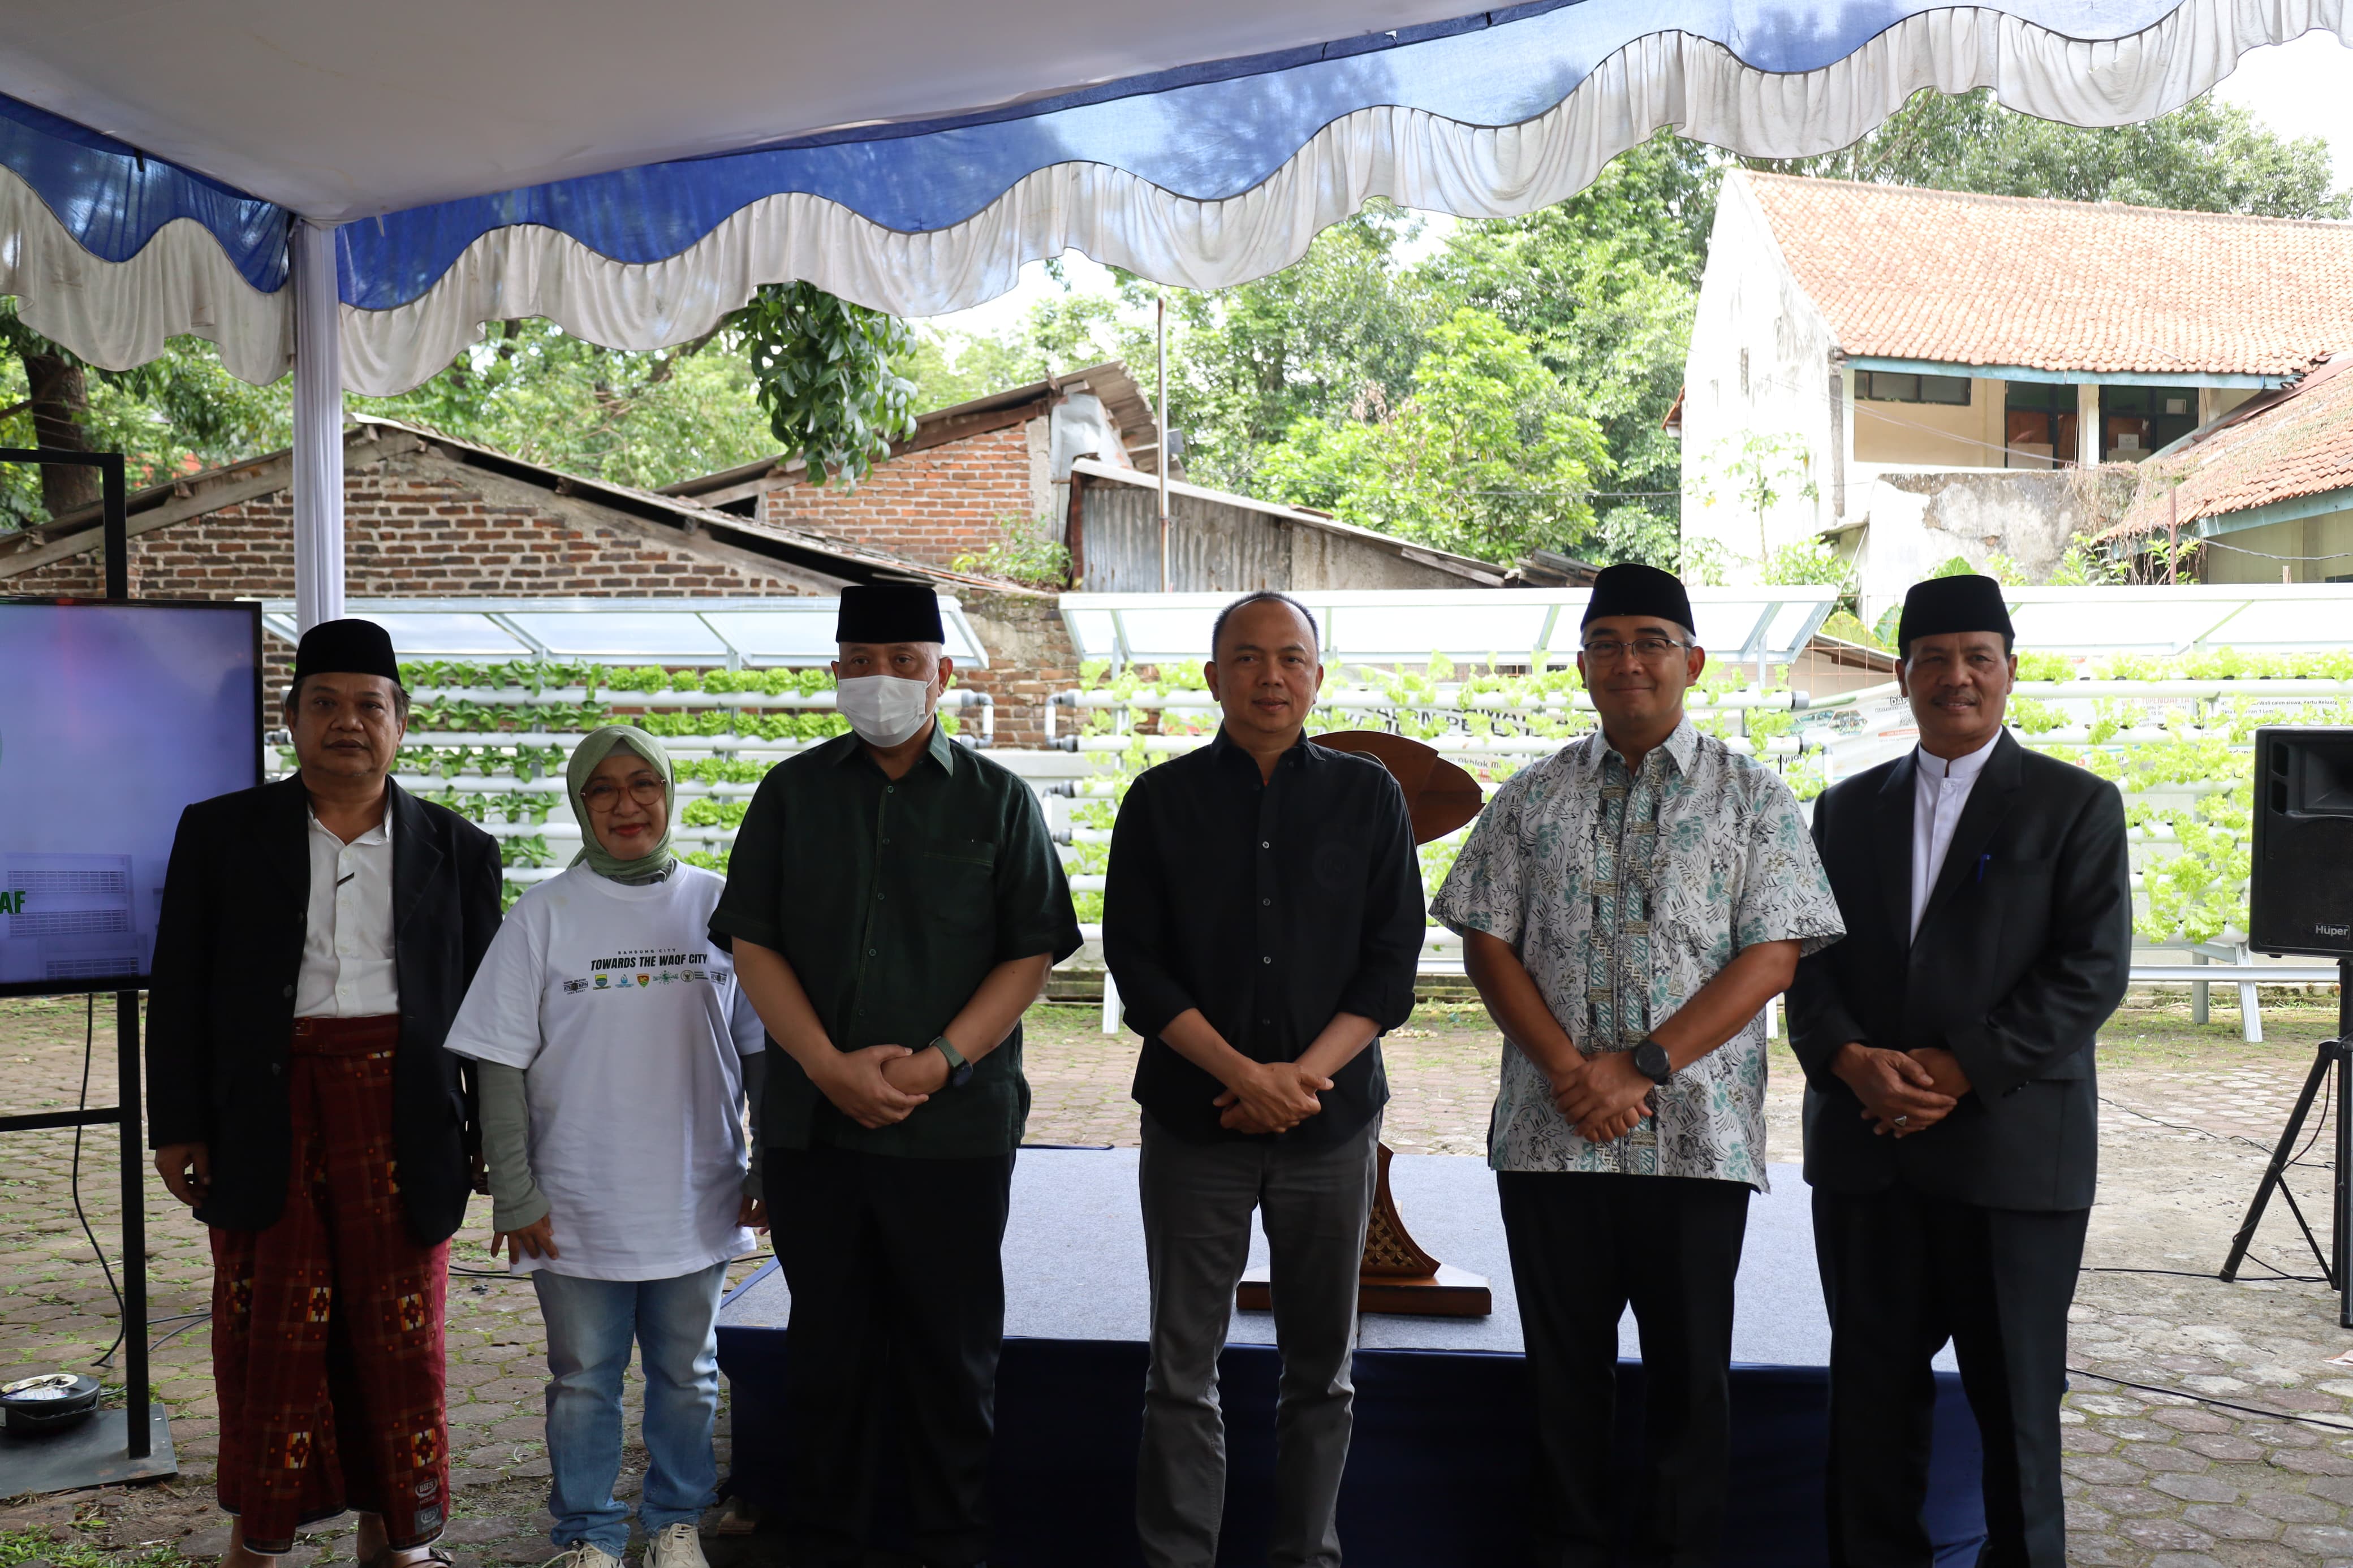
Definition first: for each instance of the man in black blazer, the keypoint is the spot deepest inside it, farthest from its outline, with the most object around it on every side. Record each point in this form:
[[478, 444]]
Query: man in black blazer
[[316, 938], [1951, 1109]]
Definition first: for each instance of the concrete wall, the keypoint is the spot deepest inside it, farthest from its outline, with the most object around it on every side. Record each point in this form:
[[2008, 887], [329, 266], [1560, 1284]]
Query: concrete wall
[[1759, 364], [2329, 536], [1919, 521]]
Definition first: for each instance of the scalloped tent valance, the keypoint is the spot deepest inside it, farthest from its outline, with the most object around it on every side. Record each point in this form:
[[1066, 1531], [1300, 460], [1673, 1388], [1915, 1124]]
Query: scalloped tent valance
[[236, 115], [633, 171]]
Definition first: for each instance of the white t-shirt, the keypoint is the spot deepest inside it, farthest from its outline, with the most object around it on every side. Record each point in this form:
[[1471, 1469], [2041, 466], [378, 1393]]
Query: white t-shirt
[[631, 1030]]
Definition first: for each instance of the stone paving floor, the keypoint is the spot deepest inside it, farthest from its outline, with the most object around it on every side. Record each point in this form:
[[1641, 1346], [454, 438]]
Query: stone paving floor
[[2236, 1449]]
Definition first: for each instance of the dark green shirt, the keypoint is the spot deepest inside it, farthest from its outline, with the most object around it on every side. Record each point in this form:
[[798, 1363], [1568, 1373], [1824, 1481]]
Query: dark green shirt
[[893, 902]]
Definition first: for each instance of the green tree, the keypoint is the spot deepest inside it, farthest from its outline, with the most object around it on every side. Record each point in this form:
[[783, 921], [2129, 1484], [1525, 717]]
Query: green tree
[[1341, 328], [1489, 455], [1604, 285], [2207, 156], [823, 367], [175, 414], [636, 418]]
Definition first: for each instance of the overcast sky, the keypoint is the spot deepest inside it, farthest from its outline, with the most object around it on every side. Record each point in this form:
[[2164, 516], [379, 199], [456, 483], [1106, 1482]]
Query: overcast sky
[[2299, 89], [2302, 88]]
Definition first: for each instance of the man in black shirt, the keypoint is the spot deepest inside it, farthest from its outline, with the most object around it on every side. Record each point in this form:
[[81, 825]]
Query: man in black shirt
[[1262, 917]]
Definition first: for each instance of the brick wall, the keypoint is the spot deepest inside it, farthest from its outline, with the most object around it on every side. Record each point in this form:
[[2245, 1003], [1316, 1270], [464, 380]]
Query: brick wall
[[423, 527], [416, 526], [1030, 658], [929, 506]]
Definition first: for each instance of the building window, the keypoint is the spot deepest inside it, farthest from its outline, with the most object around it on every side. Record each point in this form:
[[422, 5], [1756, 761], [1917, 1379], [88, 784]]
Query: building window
[[1903, 386], [2137, 420], [2038, 424]]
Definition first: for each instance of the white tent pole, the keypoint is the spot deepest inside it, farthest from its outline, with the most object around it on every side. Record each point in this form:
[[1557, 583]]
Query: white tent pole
[[318, 428]]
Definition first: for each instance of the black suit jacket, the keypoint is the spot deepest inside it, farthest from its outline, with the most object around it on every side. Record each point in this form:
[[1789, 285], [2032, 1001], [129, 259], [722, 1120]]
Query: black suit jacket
[[228, 949], [2023, 951]]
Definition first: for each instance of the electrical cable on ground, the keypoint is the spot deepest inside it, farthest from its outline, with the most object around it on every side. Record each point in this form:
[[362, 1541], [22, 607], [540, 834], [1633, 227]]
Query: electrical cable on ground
[[2218, 1404], [88, 1046]]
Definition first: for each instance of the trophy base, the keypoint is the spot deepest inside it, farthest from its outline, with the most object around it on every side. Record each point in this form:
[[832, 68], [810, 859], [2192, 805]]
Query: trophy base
[[1451, 1292]]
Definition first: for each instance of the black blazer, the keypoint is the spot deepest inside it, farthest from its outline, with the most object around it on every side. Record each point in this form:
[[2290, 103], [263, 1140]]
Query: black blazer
[[220, 1015], [2023, 951]]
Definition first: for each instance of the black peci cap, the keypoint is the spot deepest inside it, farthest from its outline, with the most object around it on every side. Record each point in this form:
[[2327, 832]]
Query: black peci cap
[[1945, 604], [890, 611], [1631, 588], [346, 647]]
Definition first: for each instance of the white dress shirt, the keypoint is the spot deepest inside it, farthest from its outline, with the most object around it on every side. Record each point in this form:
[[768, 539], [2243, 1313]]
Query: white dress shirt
[[1940, 790], [347, 966]]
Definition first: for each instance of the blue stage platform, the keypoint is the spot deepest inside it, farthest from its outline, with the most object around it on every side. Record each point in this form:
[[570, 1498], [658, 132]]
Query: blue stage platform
[[1438, 1475]]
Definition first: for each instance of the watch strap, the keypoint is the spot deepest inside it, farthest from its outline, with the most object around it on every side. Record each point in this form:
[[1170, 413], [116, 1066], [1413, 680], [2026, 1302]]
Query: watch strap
[[959, 1070]]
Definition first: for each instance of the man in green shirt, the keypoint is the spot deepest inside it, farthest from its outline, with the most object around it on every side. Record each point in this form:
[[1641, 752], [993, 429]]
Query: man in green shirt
[[893, 904]]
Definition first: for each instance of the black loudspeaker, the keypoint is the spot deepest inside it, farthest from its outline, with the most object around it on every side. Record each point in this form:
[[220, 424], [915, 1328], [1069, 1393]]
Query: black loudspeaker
[[2301, 896]]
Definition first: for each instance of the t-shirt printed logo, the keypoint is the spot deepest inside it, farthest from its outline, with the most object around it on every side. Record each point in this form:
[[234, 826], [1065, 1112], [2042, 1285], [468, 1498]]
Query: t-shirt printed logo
[[615, 974]]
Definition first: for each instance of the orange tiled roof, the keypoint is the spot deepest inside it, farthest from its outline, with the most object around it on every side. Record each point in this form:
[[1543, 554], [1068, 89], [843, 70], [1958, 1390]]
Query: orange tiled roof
[[2284, 446], [1901, 273]]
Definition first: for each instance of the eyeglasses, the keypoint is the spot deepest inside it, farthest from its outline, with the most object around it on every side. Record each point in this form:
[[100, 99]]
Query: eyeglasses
[[1650, 650], [602, 795]]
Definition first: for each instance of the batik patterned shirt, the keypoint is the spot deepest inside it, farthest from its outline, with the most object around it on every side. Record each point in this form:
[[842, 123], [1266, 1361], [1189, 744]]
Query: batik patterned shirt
[[1623, 892]]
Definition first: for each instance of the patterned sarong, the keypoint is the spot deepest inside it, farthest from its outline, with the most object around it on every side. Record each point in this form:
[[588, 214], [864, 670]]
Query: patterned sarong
[[327, 1327]]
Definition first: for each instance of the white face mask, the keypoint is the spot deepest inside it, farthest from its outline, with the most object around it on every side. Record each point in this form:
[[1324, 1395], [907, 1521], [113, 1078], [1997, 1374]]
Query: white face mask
[[883, 709]]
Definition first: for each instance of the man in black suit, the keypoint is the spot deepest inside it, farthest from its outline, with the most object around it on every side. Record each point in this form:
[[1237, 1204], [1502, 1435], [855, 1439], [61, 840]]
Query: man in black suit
[[1951, 1109], [316, 938]]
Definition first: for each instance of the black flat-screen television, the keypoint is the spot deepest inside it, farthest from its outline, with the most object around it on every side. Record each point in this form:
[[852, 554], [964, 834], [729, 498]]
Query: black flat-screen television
[[114, 716]]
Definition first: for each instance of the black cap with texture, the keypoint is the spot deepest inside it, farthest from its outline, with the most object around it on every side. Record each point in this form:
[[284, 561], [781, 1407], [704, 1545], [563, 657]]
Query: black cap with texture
[[1942, 606], [890, 611], [346, 647], [1631, 588]]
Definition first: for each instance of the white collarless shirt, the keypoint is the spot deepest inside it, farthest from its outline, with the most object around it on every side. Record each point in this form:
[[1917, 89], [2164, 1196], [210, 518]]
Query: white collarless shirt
[[347, 963], [1940, 790]]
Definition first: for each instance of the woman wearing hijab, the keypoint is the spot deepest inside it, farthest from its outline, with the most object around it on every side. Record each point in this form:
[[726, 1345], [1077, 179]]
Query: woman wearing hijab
[[616, 1048]]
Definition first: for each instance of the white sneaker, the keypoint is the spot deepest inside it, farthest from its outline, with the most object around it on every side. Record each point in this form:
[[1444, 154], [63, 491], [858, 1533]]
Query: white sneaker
[[676, 1546], [580, 1554]]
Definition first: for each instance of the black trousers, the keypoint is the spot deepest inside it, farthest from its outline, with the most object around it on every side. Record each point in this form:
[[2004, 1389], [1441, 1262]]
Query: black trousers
[[899, 1294], [1584, 1246], [1904, 1273]]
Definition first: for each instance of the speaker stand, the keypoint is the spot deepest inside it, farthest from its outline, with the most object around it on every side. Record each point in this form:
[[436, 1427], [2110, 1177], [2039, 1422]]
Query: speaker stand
[[2332, 1060]]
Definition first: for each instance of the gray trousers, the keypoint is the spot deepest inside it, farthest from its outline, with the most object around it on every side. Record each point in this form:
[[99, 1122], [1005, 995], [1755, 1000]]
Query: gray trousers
[[1198, 1199]]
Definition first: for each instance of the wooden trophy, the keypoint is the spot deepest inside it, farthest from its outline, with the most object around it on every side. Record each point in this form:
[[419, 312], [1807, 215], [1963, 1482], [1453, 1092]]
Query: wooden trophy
[[1397, 1275]]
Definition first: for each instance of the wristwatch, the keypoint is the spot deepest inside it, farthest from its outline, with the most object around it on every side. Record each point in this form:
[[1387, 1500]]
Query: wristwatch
[[1651, 1061], [959, 1070]]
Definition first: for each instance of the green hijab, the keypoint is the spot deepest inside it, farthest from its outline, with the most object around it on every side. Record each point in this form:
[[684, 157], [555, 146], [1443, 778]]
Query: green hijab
[[593, 748]]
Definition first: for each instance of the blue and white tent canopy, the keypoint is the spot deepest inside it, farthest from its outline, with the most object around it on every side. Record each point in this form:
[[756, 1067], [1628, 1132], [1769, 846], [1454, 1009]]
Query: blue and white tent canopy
[[633, 172]]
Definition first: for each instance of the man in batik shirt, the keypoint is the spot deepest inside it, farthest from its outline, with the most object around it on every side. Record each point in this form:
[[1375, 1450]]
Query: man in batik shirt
[[1627, 906]]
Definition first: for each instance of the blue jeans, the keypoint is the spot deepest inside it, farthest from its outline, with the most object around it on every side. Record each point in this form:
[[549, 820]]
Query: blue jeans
[[590, 1326]]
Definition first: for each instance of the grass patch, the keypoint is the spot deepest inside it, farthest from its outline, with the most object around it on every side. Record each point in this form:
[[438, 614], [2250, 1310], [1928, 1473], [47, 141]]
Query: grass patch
[[2163, 1036], [34, 1545]]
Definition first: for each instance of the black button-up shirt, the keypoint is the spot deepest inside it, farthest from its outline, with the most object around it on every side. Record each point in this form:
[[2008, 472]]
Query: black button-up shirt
[[1271, 906], [893, 900]]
